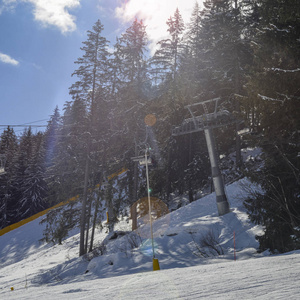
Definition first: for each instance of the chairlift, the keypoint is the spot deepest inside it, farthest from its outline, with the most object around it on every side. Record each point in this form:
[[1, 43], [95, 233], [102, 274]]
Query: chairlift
[[142, 160]]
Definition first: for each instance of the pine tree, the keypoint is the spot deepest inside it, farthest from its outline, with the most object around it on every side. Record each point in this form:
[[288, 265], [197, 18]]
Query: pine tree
[[34, 187], [65, 176], [131, 53], [93, 74], [226, 28], [131, 50], [51, 140], [52, 136], [132, 95], [93, 67], [191, 67], [166, 59], [8, 152], [165, 71], [275, 94], [21, 161]]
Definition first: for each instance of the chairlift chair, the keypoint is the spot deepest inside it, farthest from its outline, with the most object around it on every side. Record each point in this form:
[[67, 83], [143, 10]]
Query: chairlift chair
[[142, 160]]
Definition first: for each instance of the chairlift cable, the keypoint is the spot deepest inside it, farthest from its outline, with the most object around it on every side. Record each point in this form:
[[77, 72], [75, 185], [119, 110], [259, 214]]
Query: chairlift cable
[[29, 125]]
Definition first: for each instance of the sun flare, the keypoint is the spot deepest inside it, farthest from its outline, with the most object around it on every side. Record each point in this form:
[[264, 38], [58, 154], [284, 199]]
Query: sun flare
[[154, 14], [141, 9]]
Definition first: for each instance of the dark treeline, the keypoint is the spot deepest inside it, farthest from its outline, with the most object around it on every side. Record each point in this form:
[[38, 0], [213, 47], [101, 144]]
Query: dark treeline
[[245, 52]]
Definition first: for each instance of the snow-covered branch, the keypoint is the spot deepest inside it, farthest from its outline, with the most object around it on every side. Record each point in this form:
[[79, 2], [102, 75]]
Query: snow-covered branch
[[282, 70], [269, 98], [274, 27]]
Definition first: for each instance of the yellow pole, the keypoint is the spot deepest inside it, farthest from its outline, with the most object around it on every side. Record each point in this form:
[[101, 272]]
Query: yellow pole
[[149, 203], [155, 260], [155, 264]]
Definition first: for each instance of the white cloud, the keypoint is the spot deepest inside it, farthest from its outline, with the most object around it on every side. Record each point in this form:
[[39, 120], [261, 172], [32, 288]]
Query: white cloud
[[48, 12], [55, 13], [7, 5], [155, 14], [8, 60]]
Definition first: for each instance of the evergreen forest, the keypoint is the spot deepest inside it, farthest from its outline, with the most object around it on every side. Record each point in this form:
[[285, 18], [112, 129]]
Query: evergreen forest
[[245, 53]]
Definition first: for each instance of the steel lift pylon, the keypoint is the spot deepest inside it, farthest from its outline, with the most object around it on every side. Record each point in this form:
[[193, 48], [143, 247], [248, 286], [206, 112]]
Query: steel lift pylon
[[206, 122]]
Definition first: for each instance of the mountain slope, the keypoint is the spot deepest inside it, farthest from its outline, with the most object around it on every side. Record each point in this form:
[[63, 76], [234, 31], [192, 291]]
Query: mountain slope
[[33, 268]]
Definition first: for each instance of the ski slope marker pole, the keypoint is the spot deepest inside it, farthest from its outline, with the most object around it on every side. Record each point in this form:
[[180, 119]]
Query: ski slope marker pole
[[234, 246]]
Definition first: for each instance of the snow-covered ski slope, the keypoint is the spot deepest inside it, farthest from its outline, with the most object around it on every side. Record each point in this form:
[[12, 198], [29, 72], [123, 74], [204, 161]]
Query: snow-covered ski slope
[[39, 271]]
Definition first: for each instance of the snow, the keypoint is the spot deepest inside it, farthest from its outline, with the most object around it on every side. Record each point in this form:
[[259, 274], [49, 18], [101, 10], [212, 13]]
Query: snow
[[37, 270], [269, 98], [283, 70]]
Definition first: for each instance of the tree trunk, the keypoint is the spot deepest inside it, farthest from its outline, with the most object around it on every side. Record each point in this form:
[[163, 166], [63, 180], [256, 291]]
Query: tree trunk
[[84, 202], [95, 214], [88, 225]]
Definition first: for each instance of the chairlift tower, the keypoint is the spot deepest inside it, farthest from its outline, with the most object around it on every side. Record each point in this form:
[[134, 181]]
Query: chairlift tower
[[206, 122]]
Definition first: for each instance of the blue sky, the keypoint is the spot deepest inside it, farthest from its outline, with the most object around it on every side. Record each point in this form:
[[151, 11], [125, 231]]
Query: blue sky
[[41, 39]]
